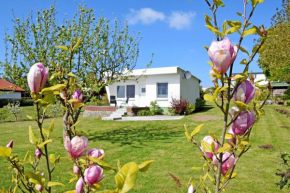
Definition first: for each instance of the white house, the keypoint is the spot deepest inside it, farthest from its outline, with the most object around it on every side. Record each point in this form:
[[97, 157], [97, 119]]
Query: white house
[[9, 90], [154, 84]]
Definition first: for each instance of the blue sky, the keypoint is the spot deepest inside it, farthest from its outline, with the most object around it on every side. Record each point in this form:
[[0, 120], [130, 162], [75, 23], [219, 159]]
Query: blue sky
[[173, 30]]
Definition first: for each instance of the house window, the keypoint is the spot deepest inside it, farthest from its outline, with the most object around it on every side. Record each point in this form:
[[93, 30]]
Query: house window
[[162, 90], [130, 91], [143, 90], [120, 91]]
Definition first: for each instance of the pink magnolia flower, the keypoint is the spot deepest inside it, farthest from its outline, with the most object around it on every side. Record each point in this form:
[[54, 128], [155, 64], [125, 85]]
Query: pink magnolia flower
[[37, 77], [93, 174], [243, 122], [222, 54], [80, 185], [76, 170], [77, 146], [210, 140], [38, 186], [10, 144], [96, 153], [227, 165], [190, 189], [78, 96], [37, 153], [232, 140], [245, 92]]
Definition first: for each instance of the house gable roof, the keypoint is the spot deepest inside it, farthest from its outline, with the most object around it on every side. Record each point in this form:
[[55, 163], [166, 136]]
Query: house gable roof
[[8, 86]]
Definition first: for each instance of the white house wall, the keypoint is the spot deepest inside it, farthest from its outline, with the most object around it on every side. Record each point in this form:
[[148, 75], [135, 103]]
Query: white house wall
[[189, 89], [11, 95], [150, 82]]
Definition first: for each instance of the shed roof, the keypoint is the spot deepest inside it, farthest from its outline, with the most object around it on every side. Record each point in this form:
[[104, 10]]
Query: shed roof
[[8, 86]]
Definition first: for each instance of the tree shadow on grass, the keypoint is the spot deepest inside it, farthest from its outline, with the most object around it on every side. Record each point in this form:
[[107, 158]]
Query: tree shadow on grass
[[206, 108], [134, 136]]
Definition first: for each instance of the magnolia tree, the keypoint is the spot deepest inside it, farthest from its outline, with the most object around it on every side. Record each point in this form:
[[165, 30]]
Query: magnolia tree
[[88, 165], [222, 152]]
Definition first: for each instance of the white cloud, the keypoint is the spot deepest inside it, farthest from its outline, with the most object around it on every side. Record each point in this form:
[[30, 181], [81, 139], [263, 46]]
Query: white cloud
[[181, 20], [145, 16]]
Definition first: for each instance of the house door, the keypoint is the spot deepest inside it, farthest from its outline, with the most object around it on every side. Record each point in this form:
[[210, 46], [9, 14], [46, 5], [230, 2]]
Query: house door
[[142, 95]]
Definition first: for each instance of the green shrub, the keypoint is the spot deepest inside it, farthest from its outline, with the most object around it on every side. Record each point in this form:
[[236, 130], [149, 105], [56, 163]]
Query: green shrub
[[288, 102], [26, 102], [99, 101], [285, 97], [189, 108], [4, 113], [154, 108], [145, 113], [199, 104]]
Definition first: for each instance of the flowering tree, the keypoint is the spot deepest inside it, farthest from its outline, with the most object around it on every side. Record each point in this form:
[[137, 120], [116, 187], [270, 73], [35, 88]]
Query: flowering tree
[[221, 155], [88, 165]]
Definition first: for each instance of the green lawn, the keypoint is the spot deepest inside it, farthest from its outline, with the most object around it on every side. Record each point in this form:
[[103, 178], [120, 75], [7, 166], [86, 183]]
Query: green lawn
[[164, 142]]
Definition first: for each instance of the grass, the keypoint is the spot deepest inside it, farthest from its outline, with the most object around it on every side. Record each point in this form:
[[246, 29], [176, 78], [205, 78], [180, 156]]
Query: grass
[[165, 143]]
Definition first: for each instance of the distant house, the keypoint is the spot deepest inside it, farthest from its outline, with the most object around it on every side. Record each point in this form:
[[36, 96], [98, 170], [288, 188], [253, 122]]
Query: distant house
[[278, 88], [154, 84], [9, 90]]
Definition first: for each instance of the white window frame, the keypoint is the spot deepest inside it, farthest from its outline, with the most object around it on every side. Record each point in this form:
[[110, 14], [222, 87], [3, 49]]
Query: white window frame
[[162, 98], [125, 98]]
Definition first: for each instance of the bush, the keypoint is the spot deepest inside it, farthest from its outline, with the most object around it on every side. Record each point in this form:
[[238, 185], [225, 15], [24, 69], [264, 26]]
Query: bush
[[56, 109], [145, 113], [288, 102], [26, 102], [4, 113], [285, 97], [155, 109], [99, 101], [15, 109], [178, 106], [189, 108], [199, 104]]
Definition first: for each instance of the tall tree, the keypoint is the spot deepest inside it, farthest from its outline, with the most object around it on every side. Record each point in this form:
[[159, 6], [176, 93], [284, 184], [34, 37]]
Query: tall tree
[[106, 51], [275, 60]]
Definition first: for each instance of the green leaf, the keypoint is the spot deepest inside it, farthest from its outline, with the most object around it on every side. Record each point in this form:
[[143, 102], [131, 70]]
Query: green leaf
[[53, 88], [255, 48], [242, 106], [143, 167], [5, 151], [52, 158], [26, 156], [73, 101], [34, 178], [78, 105], [214, 30], [225, 24], [231, 30], [63, 47], [236, 24], [208, 97], [53, 64], [223, 88], [196, 130], [186, 133], [212, 135], [50, 184], [224, 148], [196, 168], [210, 63], [244, 61], [238, 76], [30, 117], [206, 47], [244, 50], [252, 30], [44, 143], [75, 124], [208, 19], [78, 43], [229, 136], [32, 138], [256, 2], [239, 14], [218, 3], [126, 177], [71, 74], [101, 163], [206, 146], [51, 126]]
